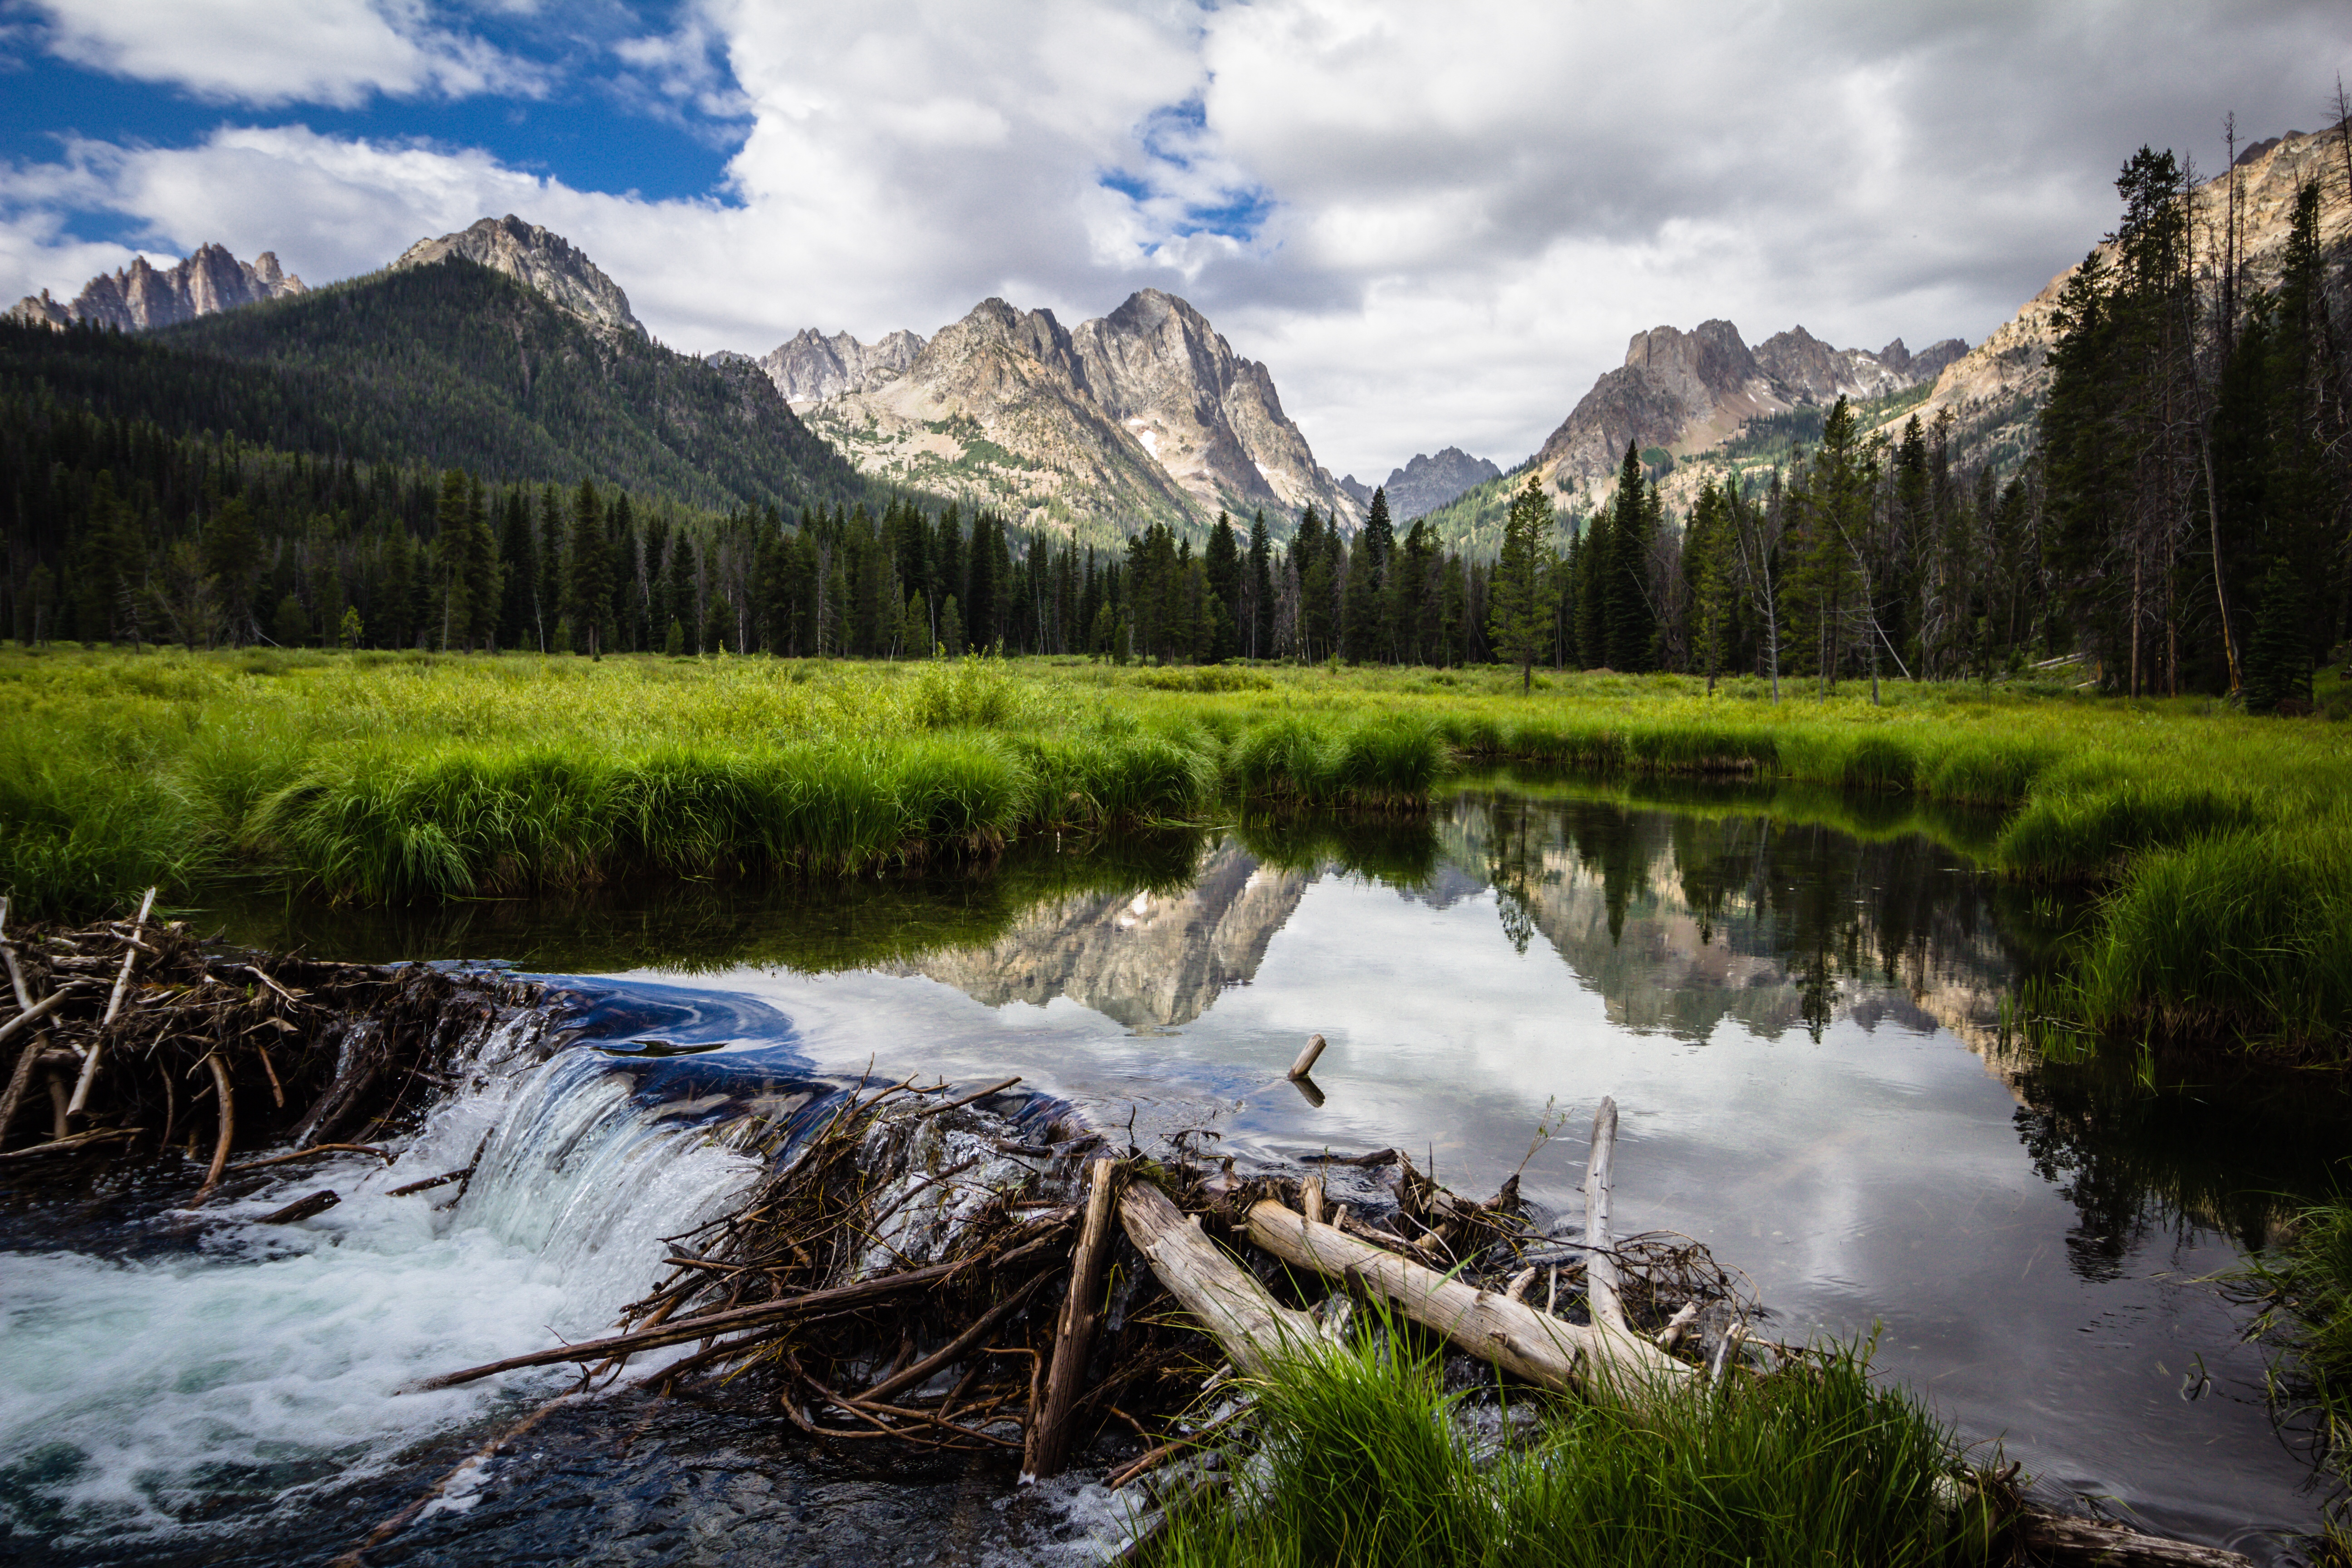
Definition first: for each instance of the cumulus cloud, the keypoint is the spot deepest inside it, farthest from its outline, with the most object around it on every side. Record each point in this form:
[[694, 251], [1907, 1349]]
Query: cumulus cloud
[[1437, 224], [262, 52]]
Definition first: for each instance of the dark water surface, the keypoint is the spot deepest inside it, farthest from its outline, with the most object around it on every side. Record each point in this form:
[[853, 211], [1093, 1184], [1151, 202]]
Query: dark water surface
[[1797, 1002]]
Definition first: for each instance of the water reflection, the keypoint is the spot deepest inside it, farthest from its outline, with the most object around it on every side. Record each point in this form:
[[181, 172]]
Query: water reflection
[[1797, 997]]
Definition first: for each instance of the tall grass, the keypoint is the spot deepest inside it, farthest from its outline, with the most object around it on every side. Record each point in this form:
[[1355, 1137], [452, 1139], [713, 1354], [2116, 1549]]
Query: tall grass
[[2229, 928], [1364, 1458], [387, 777]]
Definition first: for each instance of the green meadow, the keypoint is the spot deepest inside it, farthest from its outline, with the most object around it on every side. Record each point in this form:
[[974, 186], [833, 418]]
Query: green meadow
[[2220, 844]]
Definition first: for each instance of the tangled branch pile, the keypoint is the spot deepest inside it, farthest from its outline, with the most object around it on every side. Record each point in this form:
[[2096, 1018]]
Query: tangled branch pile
[[136, 1032], [943, 1270]]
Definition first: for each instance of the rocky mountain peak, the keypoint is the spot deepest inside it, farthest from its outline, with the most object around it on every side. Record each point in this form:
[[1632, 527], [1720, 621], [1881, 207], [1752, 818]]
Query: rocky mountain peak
[[539, 259], [143, 295], [1146, 412], [812, 367], [1426, 483], [1689, 391]]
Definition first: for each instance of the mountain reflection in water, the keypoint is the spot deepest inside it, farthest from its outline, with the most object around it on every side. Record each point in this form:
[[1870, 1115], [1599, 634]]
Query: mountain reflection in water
[[1798, 1000]]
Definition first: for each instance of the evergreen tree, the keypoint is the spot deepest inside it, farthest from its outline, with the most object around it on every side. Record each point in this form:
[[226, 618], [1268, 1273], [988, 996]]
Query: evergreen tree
[[1518, 607], [588, 598], [1707, 565], [1360, 603], [519, 621], [232, 558], [1259, 619]]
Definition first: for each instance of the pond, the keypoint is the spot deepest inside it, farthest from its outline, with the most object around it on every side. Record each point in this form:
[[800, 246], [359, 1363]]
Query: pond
[[1797, 1001]]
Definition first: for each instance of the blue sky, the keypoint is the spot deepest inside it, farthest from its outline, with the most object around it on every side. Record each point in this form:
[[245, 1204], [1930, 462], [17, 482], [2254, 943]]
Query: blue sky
[[1434, 225]]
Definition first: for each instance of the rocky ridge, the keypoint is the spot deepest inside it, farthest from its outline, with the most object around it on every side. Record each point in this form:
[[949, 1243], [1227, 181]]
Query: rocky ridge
[[1994, 392], [1145, 415], [1688, 392], [1426, 483], [538, 258], [813, 367], [140, 297]]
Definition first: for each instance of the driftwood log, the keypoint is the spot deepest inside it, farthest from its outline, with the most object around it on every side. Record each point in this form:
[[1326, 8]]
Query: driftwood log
[[1249, 1325]]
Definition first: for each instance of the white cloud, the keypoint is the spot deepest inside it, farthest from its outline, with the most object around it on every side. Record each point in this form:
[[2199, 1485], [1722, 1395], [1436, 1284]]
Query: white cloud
[[1439, 223], [265, 52]]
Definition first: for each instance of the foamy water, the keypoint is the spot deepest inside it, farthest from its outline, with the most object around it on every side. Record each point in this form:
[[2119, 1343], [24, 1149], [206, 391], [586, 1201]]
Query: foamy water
[[265, 1362]]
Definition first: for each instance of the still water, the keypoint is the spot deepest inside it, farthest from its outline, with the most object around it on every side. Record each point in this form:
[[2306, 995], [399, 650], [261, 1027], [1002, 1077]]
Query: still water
[[1797, 1002]]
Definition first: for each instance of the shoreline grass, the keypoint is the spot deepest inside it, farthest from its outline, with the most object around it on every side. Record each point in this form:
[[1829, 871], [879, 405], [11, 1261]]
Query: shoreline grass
[[2223, 842], [1363, 1456]]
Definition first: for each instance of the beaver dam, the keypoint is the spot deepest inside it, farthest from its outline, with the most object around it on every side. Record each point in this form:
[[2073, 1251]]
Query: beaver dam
[[318, 1260]]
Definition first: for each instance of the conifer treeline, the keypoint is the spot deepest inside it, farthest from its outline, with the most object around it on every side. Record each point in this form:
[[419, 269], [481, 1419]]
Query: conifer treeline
[[2184, 525], [118, 530]]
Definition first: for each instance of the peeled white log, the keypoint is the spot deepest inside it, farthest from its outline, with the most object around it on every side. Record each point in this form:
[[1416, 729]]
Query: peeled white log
[[113, 1005], [1526, 1343], [1599, 1260], [1251, 1326]]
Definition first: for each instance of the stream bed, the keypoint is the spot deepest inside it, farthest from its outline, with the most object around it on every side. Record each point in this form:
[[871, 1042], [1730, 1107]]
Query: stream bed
[[1799, 1006]]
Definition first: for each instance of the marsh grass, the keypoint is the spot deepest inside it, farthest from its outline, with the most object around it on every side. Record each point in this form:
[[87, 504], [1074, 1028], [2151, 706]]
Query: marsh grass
[[1364, 1458], [401, 775]]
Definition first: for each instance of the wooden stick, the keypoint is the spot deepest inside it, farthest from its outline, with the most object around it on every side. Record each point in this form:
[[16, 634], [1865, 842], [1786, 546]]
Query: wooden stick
[[115, 1005], [386, 1155], [67, 1145], [36, 1012], [18, 1081], [968, 1099], [1600, 1263], [303, 1208], [1305, 1062], [227, 1105], [1685, 1315], [1048, 1439], [1174, 1447], [921, 1372], [679, 1331], [8, 955], [1248, 1323], [1525, 1342], [1310, 1198]]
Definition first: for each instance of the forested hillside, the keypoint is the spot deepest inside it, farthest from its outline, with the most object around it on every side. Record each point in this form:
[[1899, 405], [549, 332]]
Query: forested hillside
[[451, 366]]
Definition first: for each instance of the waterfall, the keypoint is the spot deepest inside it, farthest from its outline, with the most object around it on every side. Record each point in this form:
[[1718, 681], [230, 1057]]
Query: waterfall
[[209, 1356]]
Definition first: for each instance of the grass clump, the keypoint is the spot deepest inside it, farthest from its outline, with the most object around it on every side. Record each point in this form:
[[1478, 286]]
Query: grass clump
[[1364, 1458], [2230, 926]]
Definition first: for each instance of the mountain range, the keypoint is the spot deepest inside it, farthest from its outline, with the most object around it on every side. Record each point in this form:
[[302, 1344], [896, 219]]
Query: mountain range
[[1994, 392], [140, 297], [1146, 415], [500, 349]]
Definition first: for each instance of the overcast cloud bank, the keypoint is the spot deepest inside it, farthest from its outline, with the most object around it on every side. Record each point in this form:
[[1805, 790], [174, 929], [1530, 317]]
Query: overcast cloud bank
[[1435, 224]]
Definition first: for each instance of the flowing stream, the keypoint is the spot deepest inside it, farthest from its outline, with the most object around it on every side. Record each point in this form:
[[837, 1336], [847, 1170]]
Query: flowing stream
[[1798, 1005]]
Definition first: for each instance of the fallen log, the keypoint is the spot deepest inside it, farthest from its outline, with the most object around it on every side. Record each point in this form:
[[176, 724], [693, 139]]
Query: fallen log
[[67, 1145], [1599, 1260], [1517, 1338], [1253, 1329], [2064, 1540]]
